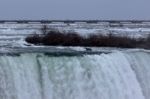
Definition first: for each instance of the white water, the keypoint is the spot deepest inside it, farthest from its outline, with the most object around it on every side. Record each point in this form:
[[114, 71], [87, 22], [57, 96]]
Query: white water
[[119, 75], [13, 35]]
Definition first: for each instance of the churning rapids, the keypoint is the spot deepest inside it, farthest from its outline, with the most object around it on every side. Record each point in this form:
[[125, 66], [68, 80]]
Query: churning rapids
[[116, 75], [31, 72]]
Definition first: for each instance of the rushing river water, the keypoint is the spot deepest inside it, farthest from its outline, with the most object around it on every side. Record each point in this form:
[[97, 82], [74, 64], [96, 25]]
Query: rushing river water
[[31, 72]]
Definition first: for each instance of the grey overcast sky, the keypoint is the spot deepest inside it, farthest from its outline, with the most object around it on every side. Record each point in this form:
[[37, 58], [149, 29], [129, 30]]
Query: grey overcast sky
[[74, 9]]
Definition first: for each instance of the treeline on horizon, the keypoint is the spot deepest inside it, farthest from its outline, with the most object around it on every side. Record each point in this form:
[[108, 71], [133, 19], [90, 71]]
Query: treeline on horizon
[[57, 38], [73, 21]]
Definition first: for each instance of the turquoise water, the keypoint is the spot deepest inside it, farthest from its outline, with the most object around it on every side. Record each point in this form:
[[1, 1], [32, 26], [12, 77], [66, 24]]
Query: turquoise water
[[117, 75]]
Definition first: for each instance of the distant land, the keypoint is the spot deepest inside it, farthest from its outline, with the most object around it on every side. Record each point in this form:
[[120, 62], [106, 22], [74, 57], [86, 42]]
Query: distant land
[[73, 21]]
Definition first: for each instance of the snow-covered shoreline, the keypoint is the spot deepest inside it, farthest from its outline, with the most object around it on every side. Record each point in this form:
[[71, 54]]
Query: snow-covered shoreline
[[13, 35]]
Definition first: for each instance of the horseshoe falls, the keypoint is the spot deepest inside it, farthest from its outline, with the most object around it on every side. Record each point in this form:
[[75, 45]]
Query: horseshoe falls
[[30, 72], [116, 75]]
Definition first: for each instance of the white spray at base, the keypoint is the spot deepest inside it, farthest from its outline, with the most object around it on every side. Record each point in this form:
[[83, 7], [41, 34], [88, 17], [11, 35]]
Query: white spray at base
[[118, 75]]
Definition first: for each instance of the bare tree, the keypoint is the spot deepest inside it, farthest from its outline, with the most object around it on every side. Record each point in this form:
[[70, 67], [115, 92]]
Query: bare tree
[[44, 29]]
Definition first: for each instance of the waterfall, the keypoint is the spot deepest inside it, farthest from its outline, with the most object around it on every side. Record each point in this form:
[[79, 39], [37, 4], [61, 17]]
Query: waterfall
[[117, 75]]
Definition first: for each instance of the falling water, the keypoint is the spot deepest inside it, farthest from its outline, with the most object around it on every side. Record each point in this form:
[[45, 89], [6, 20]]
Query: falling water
[[117, 75]]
